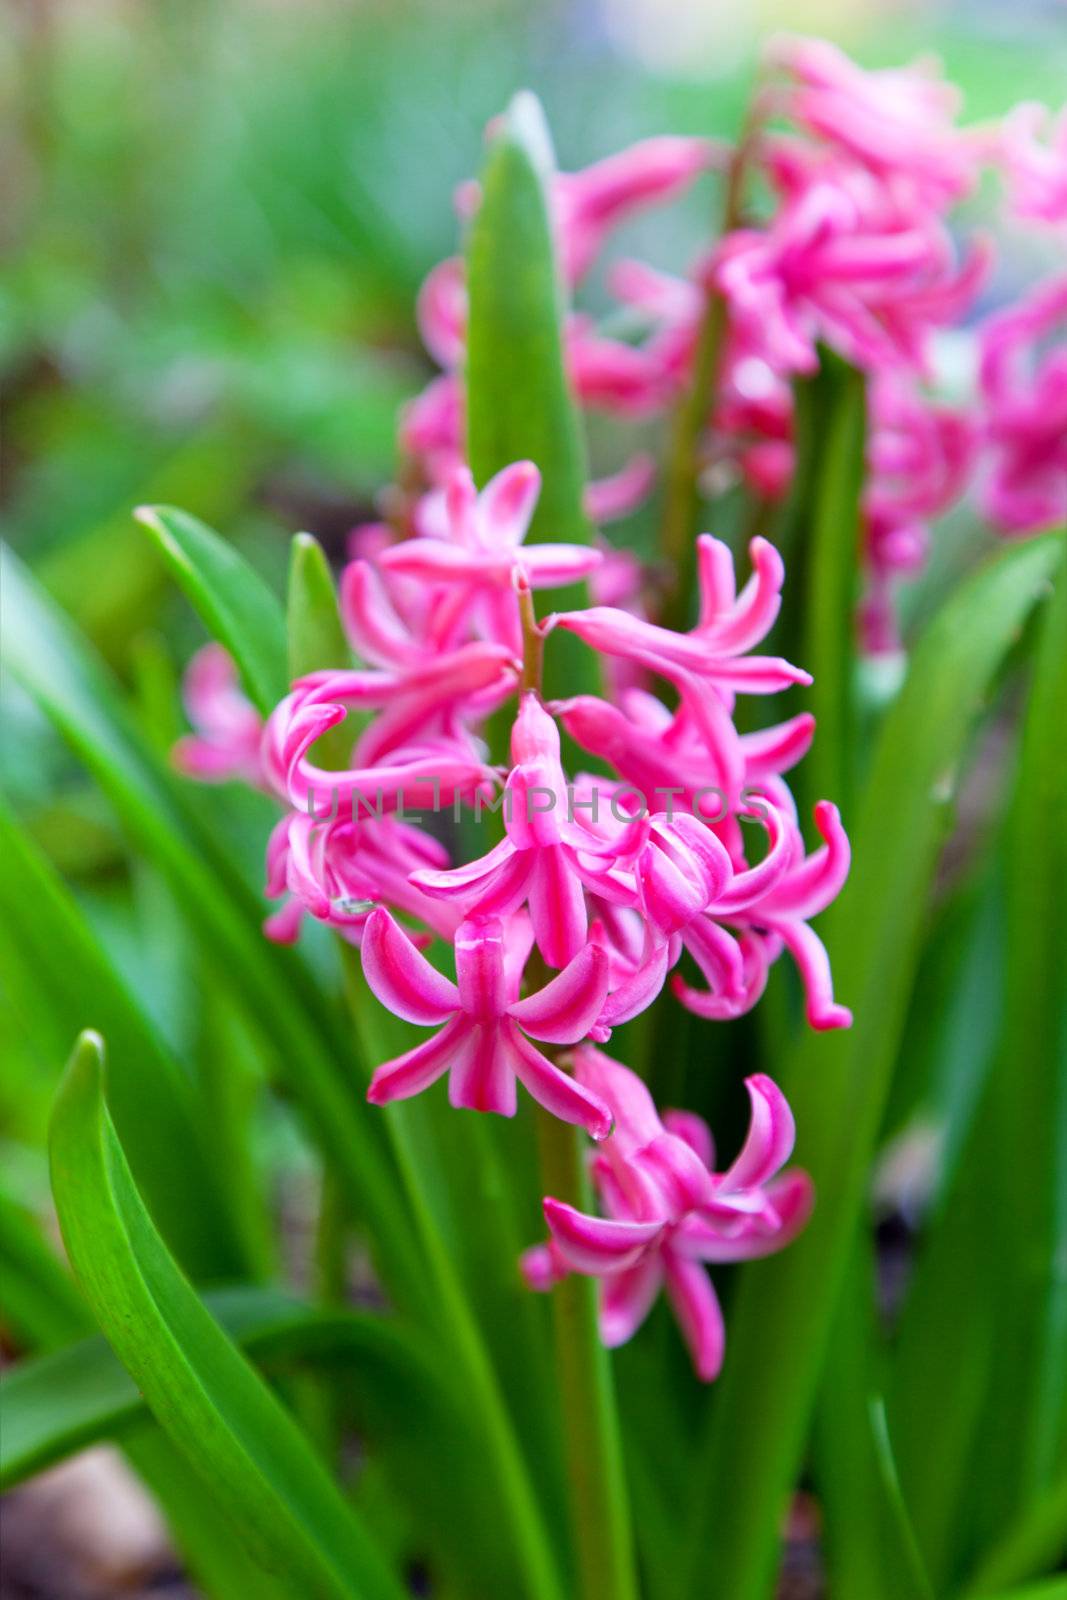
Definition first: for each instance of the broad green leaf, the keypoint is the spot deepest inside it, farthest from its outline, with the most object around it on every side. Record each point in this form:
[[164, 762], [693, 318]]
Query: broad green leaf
[[837, 1084], [281, 1000], [66, 979], [208, 1400], [519, 404], [234, 602]]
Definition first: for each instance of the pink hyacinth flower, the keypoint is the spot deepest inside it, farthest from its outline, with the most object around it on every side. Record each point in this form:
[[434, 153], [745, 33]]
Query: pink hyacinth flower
[[483, 1042], [715, 651], [842, 262], [229, 729], [667, 1213], [471, 543]]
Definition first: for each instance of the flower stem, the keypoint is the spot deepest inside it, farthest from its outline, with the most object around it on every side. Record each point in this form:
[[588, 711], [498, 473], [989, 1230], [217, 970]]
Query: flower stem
[[533, 640], [599, 1506], [691, 415]]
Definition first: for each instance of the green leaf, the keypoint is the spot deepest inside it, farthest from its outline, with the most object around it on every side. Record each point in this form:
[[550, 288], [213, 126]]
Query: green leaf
[[837, 1084], [316, 633], [832, 422], [206, 1397], [519, 403], [67, 982], [317, 639], [236, 605]]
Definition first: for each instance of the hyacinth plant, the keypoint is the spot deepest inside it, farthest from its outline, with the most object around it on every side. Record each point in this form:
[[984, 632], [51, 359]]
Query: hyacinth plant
[[553, 815]]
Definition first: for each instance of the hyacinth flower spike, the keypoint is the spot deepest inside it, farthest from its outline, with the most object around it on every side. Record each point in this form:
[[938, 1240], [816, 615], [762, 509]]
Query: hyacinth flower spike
[[667, 1213], [482, 1024]]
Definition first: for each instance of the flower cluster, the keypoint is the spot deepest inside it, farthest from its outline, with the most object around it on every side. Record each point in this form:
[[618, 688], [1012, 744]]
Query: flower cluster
[[857, 254], [685, 839]]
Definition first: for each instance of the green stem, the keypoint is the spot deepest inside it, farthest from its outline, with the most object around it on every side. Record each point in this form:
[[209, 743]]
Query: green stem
[[682, 499], [599, 1506]]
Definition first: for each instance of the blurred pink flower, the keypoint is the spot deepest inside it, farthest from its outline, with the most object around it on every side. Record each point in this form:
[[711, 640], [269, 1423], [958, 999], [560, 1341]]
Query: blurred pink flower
[[898, 122], [229, 729], [1035, 166], [1024, 387]]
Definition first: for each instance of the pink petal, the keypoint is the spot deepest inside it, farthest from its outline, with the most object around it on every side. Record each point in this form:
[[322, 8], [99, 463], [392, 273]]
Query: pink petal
[[813, 963], [627, 1297], [594, 1245], [769, 1141], [608, 499], [480, 968], [542, 1266], [506, 505], [566, 1008], [551, 566], [553, 1089], [637, 992], [686, 1125], [699, 1315], [557, 906], [756, 608], [480, 1077], [402, 978], [371, 624], [492, 886], [414, 1071], [810, 888], [774, 750], [637, 1121]]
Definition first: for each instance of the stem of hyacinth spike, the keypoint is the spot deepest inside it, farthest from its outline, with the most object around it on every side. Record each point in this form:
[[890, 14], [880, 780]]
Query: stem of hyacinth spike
[[681, 497], [599, 1503], [533, 639], [600, 1512]]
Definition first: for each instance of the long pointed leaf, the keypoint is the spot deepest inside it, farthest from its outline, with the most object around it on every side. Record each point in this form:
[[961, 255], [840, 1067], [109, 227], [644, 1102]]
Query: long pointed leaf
[[206, 1397], [233, 600]]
